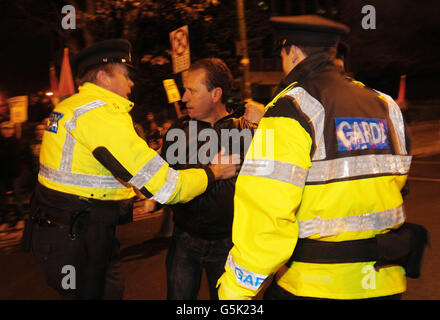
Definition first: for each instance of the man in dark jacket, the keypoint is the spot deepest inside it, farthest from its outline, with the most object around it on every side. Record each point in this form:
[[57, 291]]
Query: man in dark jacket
[[202, 227]]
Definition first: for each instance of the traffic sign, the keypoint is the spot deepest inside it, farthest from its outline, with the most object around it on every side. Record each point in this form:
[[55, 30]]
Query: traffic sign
[[18, 107], [179, 39], [171, 89]]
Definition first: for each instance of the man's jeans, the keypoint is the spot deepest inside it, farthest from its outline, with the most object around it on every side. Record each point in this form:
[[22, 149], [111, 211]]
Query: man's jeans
[[186, 259]]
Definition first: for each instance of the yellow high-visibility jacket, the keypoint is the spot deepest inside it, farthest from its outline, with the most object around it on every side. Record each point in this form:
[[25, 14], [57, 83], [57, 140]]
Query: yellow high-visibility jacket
[[328, 162], [90, 149]]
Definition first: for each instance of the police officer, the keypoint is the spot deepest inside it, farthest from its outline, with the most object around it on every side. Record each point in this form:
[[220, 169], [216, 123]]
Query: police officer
[[90, 160], [321, 207]]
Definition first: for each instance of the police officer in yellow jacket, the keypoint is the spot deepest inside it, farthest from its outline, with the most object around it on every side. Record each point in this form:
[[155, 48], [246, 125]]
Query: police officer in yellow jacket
[[90, 160], [319, 196]]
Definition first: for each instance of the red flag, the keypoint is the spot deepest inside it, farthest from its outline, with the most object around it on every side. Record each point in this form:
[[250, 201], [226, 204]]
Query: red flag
[[66, 87], [401, 100], [402, 87]]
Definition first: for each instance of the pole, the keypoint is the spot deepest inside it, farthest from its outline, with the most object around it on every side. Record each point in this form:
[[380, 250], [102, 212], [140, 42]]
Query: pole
[[177, 108], [246, 85]]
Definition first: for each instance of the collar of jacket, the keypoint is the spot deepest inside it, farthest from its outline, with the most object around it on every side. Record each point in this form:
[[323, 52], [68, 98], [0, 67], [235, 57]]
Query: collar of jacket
[[113, 100], [309, 66], [187, 119], [219, 121]]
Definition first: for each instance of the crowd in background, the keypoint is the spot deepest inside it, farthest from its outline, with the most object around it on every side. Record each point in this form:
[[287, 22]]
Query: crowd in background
[[153, 130], [19, 163]]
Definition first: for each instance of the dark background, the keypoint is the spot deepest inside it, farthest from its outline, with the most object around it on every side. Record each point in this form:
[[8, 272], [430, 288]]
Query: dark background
[[406, 40]]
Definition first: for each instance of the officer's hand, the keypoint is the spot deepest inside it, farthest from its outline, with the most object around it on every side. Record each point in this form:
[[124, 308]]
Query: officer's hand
[[144, 206], [225, 167], [254, 111]]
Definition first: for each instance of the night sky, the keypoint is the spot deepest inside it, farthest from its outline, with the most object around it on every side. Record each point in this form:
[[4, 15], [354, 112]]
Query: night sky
[[24, 54], [407, 40]]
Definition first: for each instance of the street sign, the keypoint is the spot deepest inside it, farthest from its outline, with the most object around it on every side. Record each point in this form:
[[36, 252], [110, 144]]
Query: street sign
[[180, 49], [18, 107], [171, 89]]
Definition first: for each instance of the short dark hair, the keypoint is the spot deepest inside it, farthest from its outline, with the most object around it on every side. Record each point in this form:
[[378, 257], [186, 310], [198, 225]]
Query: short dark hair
[[90, 74], [310, 51], [217, 75]]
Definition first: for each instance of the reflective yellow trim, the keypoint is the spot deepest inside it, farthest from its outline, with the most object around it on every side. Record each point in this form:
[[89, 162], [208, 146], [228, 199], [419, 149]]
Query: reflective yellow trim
[[279, 95], [69, 143], [316, 115], [397, 119], [164, 194], [79, 179], [147, 172], [350, 167], [277, 170], [365, 222]]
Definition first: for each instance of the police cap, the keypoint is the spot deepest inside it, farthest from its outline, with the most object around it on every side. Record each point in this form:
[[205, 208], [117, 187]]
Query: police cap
[[107, 51], [308, 30]]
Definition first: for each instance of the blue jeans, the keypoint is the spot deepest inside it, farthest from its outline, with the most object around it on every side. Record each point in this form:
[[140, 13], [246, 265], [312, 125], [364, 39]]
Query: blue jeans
[[186, 259]]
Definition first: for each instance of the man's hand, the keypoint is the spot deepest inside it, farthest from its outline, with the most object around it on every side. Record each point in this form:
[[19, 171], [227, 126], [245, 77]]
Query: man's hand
[[144, 206], [225, 167], [254, 111]]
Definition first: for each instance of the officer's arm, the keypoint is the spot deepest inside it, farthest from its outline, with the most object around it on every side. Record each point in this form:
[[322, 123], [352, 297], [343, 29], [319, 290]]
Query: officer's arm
[[268, 192], [121, 151]]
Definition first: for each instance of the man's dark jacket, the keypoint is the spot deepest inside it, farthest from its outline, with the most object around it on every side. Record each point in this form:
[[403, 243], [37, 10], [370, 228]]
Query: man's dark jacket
[[210, 215]]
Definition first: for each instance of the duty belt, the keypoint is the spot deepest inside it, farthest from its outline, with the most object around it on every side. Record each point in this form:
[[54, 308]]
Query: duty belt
[[404, 246], [313, 251]]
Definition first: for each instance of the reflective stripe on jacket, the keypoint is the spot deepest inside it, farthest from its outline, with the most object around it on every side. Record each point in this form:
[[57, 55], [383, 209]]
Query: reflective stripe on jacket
[[335, 172], [90, 149]]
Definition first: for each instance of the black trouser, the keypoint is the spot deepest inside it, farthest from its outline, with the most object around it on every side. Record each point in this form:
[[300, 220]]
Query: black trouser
[[275, 292], [87, 266]]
